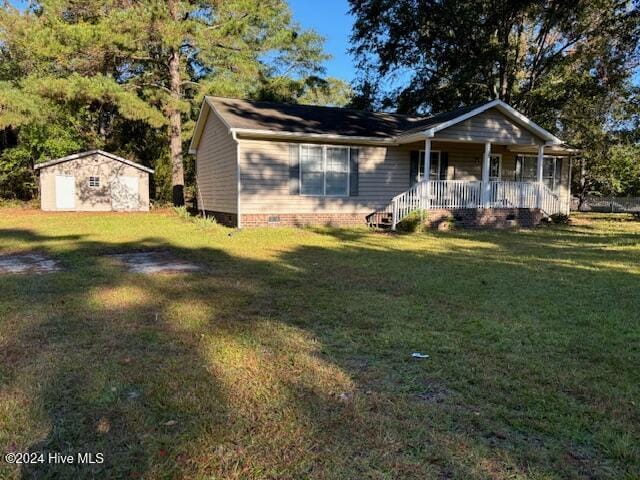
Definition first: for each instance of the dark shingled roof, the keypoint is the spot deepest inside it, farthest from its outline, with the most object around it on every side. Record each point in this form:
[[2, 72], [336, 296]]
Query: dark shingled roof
[[286, 117]]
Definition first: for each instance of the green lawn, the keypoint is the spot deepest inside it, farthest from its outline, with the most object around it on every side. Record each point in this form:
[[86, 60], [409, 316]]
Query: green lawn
[[289, 356]]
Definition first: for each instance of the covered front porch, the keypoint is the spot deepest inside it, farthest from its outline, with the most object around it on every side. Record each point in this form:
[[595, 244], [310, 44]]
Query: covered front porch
[[468, 175], [487, 157]]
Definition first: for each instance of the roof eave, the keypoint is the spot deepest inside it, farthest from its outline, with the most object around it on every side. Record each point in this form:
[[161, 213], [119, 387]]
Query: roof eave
[[253, 133], [413, 137], [197, 132]]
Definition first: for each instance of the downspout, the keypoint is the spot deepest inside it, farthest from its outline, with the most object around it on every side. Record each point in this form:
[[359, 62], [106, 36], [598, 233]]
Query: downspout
[[234, 135]]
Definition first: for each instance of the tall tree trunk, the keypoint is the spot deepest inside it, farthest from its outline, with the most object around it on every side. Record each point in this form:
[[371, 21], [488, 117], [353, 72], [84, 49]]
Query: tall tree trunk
[[175, 119]]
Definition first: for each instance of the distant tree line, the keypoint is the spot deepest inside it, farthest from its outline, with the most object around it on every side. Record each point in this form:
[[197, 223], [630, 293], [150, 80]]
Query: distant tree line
[[129, 77]]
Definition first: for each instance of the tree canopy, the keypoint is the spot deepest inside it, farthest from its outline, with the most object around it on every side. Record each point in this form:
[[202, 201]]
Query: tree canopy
[[567, 65], [130, 76]]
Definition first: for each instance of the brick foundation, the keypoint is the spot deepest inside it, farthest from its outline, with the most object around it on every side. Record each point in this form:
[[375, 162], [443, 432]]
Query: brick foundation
[[223, 218], [441, 219], [303, 219], [485, 218]]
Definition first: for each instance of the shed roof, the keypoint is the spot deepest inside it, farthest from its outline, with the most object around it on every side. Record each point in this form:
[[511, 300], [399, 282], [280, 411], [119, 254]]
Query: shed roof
[[76, 156]]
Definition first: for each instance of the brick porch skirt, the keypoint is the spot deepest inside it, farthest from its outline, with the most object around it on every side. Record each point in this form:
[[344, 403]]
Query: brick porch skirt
[[485, 217], [441, 218]]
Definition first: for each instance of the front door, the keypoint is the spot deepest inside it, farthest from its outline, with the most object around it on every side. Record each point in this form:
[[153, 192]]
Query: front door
[[495, 167], [65, 192]]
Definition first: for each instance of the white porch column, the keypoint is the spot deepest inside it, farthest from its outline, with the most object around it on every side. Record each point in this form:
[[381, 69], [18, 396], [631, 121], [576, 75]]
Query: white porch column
[[539, 167], [426, 202], [486, 158], [568, 207]]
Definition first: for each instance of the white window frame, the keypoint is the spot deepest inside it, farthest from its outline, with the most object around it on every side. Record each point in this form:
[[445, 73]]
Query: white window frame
[[324, 170], [556, 185], [422, 155], [499, 177], [91, 177], [557, 181]]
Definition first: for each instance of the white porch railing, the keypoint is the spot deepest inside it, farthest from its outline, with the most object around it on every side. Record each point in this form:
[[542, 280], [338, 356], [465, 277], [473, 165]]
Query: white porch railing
[[474, 194], [512, 195], [454, 194]]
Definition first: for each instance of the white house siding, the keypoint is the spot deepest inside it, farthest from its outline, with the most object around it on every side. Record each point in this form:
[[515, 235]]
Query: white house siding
[[489, 126], [383, 173], [264, 172], [216, 167]]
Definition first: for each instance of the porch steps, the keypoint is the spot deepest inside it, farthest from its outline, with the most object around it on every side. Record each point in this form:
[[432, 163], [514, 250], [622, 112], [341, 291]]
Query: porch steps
[[380, 219]]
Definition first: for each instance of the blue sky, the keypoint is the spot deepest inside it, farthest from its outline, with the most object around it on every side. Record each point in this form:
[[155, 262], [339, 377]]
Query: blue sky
[[330, 19]]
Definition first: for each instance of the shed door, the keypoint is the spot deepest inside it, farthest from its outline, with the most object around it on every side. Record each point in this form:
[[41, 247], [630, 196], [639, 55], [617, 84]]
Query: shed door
[[65, 192], [124, 193]]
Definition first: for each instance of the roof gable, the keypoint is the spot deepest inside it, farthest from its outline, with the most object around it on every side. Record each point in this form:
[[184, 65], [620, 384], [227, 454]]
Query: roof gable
[[492, 126], [77, 156], [508, 111]]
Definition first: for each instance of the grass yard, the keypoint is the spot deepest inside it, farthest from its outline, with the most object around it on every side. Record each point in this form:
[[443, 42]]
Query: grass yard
[[288, 354]]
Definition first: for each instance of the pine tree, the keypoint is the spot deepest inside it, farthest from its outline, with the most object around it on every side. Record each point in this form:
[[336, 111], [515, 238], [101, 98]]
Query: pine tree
[[148, 61]]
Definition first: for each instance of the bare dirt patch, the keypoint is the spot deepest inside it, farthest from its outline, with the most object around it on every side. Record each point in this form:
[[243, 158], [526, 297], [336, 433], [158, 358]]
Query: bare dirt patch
[[27, 263], [153, 262], [435, 393]]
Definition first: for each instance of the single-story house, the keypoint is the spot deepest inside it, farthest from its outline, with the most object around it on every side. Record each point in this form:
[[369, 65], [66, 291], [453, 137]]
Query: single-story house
[[95, 181], [266, 163]]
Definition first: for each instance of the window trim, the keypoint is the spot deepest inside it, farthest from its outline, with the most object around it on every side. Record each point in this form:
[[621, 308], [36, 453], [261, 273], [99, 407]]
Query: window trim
[[324, 170], [521, 157], [499, 155], [422, 153], [91, 177]]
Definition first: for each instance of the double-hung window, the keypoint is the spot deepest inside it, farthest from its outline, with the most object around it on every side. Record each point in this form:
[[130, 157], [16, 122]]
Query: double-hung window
[[434, 166], [324, 170], [551, 170]]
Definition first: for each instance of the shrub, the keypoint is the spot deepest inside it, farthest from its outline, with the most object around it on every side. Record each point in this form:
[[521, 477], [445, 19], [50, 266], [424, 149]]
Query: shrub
[[204, 222], [182, 212], [452, 221], [200, 221], [559, 219], [413, 222]]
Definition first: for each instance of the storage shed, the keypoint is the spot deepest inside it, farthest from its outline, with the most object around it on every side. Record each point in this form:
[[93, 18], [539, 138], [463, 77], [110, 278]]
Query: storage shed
[[95, 181]]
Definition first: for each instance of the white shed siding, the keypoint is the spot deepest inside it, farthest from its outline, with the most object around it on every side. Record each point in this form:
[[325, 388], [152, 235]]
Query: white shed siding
[[87, 198]]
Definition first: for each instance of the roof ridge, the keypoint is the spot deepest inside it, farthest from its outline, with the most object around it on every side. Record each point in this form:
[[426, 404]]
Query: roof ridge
[[328, 107]]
